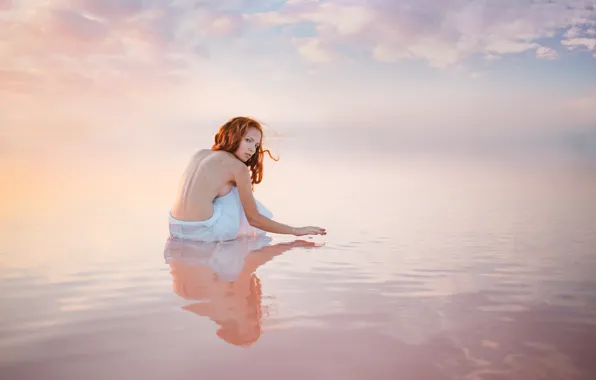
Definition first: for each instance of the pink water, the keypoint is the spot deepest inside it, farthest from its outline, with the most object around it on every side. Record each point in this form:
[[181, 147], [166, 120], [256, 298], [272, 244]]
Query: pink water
[[436, 266]]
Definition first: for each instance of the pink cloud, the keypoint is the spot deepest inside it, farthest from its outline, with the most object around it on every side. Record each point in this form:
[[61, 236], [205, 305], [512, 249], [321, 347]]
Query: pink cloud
[[68, 32], [110, 10], [224, 25], [84, 47], [547, 53], [5, 5], [18, 81], [195, 56], [312, 50]]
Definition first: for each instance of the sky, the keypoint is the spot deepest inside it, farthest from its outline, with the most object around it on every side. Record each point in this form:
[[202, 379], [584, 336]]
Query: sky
[[70, 69]]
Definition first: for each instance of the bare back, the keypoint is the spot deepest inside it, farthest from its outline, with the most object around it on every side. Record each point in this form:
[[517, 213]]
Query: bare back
[[208, 175]]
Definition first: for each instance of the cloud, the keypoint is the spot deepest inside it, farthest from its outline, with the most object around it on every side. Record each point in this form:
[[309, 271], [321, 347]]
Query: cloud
[[492, 57], [312, 50], [441, 32], [18, 81], [207, 57], [342, 19], [574, 43], [546, 53], [572, 32], [385, 53], [110, 47], [117, 43], [5, 5], [110, 10], [504, 46], [224, 25]]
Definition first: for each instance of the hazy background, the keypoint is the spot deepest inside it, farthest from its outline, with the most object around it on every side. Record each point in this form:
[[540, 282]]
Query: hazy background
[[83, 72], [126, 89], [81, 79], [448, 146]]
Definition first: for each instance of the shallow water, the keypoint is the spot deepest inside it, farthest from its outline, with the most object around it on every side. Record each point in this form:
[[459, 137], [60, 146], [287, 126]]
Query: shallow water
[[436, 266]]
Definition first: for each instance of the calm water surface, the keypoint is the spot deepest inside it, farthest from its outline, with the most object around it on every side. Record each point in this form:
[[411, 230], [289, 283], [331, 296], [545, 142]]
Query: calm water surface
[[435, 267]]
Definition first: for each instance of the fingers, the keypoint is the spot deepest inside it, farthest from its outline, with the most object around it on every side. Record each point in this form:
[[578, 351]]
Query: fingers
[[318, 231], [312, 230]]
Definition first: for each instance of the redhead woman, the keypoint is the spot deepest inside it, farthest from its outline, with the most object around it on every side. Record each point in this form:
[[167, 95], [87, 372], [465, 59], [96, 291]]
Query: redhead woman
[[215, 199]]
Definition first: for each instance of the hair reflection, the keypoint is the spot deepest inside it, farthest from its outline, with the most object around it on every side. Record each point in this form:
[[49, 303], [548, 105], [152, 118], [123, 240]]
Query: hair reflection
[[222, 276]]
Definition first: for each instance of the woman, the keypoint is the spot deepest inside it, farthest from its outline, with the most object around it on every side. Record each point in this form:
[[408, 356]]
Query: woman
[[215, 199]]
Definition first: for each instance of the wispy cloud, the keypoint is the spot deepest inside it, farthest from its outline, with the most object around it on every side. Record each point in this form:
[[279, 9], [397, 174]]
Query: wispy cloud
[[574, 43], [546, 53], [442, 33], [269, 56]]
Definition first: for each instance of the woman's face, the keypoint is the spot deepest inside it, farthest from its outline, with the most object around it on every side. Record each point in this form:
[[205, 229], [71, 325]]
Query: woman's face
[[249, 144]]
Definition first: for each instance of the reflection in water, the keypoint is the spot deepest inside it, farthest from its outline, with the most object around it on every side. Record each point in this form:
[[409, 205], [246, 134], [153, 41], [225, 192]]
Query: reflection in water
[[475, 272], [222, 276]]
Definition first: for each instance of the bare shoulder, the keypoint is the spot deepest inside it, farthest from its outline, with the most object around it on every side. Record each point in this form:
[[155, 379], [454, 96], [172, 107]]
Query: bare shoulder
[[228, 159], [210, 155]]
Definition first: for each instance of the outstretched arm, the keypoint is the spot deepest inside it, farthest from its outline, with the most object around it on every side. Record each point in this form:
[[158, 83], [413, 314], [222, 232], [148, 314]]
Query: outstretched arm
[[255, 218]]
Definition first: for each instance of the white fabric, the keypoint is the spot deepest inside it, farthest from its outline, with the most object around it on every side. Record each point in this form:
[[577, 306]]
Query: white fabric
[[228, 222]]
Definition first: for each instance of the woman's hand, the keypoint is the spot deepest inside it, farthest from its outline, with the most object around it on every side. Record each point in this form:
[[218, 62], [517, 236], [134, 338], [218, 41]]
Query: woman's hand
[[310, 230]]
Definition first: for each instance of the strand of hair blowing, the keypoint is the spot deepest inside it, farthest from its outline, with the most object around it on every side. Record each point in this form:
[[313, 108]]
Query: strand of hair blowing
[[228, 139]]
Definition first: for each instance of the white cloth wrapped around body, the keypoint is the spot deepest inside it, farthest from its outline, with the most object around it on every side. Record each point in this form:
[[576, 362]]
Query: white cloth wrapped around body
[[228, 221]]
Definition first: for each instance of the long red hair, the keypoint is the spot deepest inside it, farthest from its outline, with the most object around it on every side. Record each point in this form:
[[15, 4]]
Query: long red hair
[[230, 135]]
